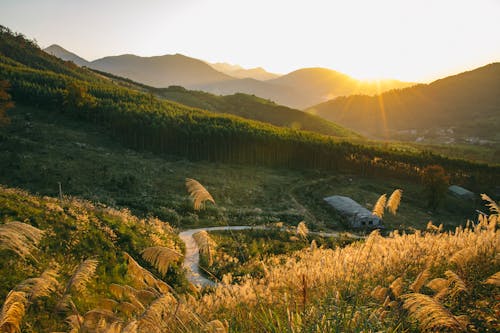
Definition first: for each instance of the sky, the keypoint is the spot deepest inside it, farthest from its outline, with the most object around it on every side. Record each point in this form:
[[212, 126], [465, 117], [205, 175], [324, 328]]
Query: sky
[[410, 40]]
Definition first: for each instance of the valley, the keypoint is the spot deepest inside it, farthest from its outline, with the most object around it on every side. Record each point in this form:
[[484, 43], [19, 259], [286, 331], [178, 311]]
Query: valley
[[131, 201]]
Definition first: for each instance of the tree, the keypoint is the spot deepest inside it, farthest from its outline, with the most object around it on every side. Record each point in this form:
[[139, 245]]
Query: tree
[[435, 182], [5, 102], [76, 97]]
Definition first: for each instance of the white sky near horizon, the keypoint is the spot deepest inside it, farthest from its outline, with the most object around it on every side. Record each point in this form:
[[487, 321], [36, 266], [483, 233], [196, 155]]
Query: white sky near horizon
[[408, 40]]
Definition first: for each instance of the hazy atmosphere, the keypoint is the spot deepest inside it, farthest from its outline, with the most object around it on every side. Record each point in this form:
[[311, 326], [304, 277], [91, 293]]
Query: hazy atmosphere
[[223, 166], [407, 40]]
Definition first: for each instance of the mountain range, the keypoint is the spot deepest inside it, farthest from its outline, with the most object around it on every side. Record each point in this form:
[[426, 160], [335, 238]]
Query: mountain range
[[462, 108], [298, 89]]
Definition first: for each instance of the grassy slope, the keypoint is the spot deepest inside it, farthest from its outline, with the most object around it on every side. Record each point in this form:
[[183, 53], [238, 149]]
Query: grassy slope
[[76, 230], [242, 105], [40, 149]]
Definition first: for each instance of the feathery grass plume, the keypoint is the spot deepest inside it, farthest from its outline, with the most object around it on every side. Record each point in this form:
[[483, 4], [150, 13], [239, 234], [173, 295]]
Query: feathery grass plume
[[378, 209], [131, 327], [430, 314], [216, 326], [40, 286], [420, 280], [99, 321], [82, 275], [206, 244], [107, 304], [302, 230], [456, 284], [494, 279], [314, 245], [379, 293], [394, 201], [493, 206], [153, 318], [19, 237], [397, 287], [142, 278], [75, 322], [13, 311], [160, 257], [439, 286], [198, 193]]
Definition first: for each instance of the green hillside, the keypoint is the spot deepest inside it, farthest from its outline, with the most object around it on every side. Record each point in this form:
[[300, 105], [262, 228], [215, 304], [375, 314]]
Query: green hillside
[[73, 250], [463, 108], [141, 121], [242, 105]]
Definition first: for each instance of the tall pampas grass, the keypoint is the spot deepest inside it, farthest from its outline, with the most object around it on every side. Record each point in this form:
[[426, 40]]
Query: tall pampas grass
[[430, 314], [20, 238], [302, 230], [82, 275], [160, 257], [378, 209], [13, 311], [394, 201], [494, 279], [41, 286], [198, 193], [492, 205]]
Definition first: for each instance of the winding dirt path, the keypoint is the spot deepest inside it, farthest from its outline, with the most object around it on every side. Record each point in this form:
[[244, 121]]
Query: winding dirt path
[[192, 256]]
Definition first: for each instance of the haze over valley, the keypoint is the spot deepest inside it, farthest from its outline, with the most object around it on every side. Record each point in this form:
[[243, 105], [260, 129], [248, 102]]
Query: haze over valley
[[214, 166]]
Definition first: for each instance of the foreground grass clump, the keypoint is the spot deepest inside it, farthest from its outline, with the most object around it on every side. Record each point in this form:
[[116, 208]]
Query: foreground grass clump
[[428, 280], [238, 254], [60, 259]]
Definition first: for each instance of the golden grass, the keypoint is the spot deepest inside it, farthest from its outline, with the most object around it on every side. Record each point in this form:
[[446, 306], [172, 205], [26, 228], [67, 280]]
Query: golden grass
[[13, 311], [394, 201], [41, 286], [494, 279], [82, 275], [378, 209], [430, 314], [160, 257], [302, 230], [198, 193], [20, 238]]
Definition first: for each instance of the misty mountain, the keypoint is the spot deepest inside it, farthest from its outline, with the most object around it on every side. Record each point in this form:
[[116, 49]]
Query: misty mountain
[[322, 84], [458, 108], [299, 89], [66, 55], [160, 71], [236, 71]]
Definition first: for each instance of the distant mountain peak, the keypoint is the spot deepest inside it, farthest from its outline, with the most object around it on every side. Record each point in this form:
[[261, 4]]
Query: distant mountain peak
[[62, 53]]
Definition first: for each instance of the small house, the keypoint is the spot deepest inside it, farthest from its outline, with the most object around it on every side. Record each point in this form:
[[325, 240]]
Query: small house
[[461, 192], [357, 215]]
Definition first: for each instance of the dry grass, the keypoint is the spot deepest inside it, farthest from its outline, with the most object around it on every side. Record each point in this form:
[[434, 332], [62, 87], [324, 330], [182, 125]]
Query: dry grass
[[394, 201], [494, 279], [302, 230], [82, 275], [206, 245], [198, 193], [431, 315], [160, 257], [12, 312], [41, 286], [20, 238], [378, 209]]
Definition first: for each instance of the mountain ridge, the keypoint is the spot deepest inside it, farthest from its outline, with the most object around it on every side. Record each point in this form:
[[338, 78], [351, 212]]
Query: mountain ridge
[[290, 90], [458, 108]]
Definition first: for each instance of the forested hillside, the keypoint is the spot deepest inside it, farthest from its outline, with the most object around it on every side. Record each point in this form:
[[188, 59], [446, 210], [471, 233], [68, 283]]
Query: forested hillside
[[463, 108], [144, 122]]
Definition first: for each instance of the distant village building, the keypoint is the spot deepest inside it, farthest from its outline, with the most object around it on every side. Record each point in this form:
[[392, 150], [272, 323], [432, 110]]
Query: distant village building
[[357, 215], [461, 192]]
